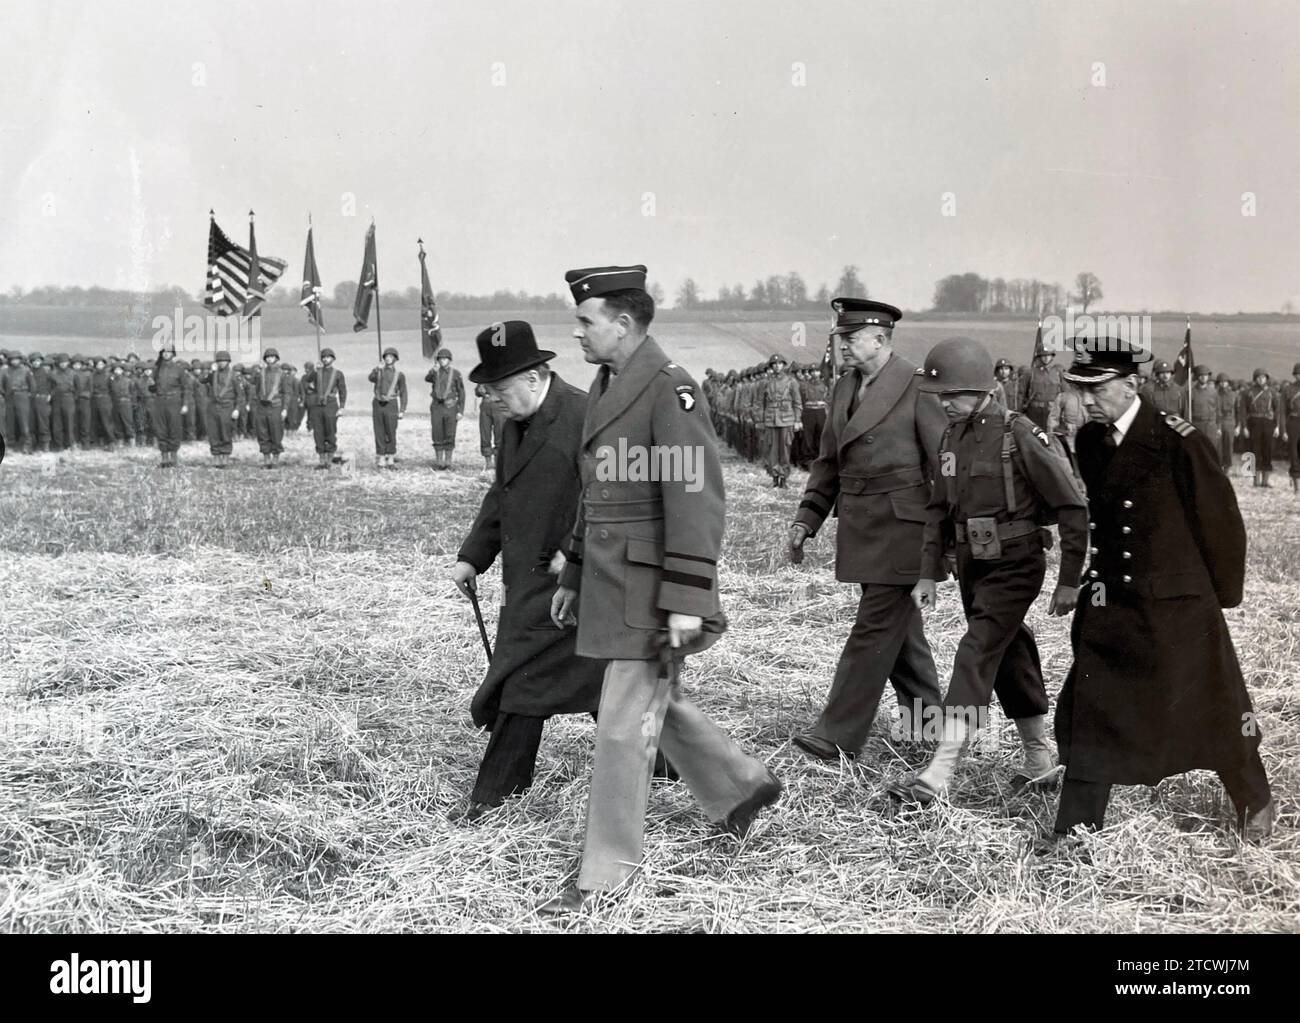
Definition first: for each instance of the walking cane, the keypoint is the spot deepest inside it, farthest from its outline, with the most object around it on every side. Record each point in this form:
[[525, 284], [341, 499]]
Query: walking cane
[[482, 629]]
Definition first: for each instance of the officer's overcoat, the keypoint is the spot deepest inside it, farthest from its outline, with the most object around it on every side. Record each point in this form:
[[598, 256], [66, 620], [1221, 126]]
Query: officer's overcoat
[[1155, 688]]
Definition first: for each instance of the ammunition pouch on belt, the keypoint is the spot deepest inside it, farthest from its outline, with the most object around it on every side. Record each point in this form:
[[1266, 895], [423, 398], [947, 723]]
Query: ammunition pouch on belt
[[985, 534]]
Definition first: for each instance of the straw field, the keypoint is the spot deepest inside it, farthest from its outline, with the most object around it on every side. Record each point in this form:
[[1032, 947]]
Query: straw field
[[239, 701]]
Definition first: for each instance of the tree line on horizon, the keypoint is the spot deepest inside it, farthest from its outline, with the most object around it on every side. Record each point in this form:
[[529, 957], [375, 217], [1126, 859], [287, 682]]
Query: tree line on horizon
[[956, 293]]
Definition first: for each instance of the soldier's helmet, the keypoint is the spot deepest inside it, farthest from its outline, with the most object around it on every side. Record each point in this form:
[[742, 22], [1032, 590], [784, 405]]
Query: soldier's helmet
[[327, 353], [196, 363], [1202, 371], [36, 357], [1223, 378], [957, 364], [776, 359], [221, 356], [271, 353], [443, 353], [1261, 372], [1162, 367], [393, 353]]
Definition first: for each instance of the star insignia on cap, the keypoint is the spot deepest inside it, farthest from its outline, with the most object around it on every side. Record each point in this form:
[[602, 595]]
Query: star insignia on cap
[[934, 372], [586, 287]]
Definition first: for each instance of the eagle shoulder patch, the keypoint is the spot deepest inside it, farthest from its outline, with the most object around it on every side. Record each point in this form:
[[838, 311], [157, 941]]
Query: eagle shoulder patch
[[686, 397], [1179, 425]]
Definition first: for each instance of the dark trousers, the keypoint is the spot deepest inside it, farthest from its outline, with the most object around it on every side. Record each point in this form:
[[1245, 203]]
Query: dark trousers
[[997, 653], [1084, 802], [63, 421], [220, 427], [325, 424], [269, 424], [776, 449], [85, 435], [1227, 433], [123, 426], [1293, 445], [167, 422], [810, 441], [20, 421], [201, 403], [383, 416], [886, 643], [1261, 442], [188, 418], [101, 419], [509, 759]]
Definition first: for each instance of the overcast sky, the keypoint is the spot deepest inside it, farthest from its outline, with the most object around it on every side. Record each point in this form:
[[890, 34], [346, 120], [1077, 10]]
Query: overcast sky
[[520, 140]]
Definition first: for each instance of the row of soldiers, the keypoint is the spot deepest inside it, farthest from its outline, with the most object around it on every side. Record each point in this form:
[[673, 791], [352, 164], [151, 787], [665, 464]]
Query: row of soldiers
[[76, 401], [774, 412]]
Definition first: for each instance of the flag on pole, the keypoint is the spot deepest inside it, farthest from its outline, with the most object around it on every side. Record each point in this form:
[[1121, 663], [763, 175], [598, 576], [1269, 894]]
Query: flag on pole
[[1038, 342], [430, 331], [225, 291], [830, 363], [1184, 366], [255, 285], [310, 298], [367, 283]]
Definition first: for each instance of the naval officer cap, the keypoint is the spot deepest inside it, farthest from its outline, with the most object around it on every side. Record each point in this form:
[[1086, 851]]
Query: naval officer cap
[[854, 314], [594, 281], [1098, 359]]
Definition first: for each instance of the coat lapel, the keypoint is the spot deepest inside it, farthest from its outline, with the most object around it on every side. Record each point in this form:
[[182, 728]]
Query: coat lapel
[[883, 394], [623, 389], [1137, 455], [516, 453]]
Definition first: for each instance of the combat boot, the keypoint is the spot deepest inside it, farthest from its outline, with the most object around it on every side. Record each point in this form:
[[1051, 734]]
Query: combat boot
[[924, 786], [322, 461], [1266, 474], [275, 461], [1039, 766], [266, 461]]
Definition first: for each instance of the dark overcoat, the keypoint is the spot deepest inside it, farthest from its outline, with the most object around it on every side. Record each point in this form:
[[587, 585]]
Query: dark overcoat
[[1155, 688], [525, 518], [877, 465]]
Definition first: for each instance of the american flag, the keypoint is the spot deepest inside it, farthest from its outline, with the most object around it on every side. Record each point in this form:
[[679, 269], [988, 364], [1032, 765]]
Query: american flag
[[228, 265]]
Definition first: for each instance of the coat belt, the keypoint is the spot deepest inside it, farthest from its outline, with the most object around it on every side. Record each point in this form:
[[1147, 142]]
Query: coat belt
[[623, 511], [885, 483], [1006, 530]]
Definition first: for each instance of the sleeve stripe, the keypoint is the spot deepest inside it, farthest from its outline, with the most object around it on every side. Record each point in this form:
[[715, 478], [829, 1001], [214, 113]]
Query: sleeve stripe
[[682, 579], [816, 506], [689, 557]]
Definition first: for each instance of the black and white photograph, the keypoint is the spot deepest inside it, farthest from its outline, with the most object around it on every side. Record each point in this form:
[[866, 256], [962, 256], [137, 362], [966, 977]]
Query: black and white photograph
[[575, 467]]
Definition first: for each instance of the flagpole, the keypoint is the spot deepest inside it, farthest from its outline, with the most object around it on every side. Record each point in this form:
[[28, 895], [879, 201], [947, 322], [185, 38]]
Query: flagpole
[[1190, 367], [379, 330], [316, 318]]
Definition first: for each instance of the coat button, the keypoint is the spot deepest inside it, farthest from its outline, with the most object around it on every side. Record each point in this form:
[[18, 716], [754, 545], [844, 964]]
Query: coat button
[[605, 494], [1128, 504], [1092, 525], [1092, 550], [1126, 530], [1128, 578], [1092, 574], [604, 534], [1126, 555], [871, 440]]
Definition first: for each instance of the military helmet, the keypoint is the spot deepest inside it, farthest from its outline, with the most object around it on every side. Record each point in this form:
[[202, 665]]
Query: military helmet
[[1223, 378], [1261, 372], [443, 353], [1162, 367], [271, 352], [1003, 364], [393, 353], [957, 364], [1202, 371], [221, 356], [775, 358], [327, 353], [35, 357]]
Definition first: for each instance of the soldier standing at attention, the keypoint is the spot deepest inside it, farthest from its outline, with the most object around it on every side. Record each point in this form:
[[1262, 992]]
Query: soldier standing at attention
[[198, 370], [63, 405], [1155, 688], [1205, 405], [292, 398], [812, 391], [1290, 414], [18, 386], [119, 391], [307, 396], [144, 433], [876, 463], [224, 389], [246, 417], [101, 403], [446, 406], [641, 568], [1227, 429], [269, 382], [491, 420], [1008, 395], [1003, 480], [330, 393], [85, 414], [1162, 392], [781, 413], [173, 393], [1038, 387], [387, 407], [1263, 423], [42, 396]]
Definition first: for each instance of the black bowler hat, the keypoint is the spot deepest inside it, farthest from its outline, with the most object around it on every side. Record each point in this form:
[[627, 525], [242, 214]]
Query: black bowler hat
[[1098, 359], [505, 349], [853, 314]]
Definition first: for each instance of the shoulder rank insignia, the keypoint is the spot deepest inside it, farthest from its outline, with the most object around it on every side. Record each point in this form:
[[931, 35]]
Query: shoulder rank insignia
[[1179, 425], [686, 397]]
